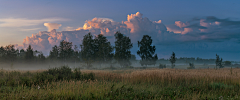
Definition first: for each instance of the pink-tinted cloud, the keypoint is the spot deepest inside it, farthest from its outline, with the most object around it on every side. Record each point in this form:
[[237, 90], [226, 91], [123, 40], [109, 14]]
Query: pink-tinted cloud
[[52, 26], [208, 29]]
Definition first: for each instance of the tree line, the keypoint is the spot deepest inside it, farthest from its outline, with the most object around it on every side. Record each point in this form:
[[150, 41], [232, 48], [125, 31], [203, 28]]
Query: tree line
[[93, 49]]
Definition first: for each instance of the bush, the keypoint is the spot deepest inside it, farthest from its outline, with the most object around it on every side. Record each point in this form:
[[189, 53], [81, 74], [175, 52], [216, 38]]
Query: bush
[[77, 74], [191, 66], [62, 73], [162, 66], [227, 63], [129, 67], [28, 79]]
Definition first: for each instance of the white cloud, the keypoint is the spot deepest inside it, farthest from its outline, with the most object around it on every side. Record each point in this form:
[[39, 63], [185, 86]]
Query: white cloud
[[52, 26], [22, 22]]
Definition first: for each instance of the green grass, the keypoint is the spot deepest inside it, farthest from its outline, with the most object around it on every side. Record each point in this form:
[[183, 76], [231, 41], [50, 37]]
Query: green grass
[[165, 84]]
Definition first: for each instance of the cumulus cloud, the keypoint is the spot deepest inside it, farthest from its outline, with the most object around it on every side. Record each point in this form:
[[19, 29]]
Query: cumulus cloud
[[207, 29], [52, 26], [199, 31]]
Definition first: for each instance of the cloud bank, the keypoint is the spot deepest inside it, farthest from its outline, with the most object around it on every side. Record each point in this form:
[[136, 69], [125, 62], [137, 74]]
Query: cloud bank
[[208, 33]]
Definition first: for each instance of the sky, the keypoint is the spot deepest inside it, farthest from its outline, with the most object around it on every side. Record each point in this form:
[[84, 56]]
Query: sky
[[190, 28]]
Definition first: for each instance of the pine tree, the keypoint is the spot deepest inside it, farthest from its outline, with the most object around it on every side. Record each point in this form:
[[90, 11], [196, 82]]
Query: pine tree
[[54, 53], [146, 51], [41, 57], [173, 59], [218, 62], [29, 53]]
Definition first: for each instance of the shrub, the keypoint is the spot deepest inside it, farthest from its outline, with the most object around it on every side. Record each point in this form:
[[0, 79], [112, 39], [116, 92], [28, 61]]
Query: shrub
[[191, 66], [162, 66], [77, 74], [227, 63], [129, 67], [62, 73]]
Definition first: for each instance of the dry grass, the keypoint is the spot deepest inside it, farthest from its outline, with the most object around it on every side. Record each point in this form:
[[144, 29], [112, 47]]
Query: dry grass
[[152, 83], [224, 75]]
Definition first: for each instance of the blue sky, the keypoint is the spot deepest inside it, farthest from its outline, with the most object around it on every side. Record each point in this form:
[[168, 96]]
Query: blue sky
[[21, 18]]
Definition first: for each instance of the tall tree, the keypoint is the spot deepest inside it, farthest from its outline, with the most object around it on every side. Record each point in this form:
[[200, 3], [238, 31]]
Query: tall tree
[[41, 57], [65, 50], [54, 53], [10, 53], [2, 52], [146, 51], [103, 49], [173, 59], [88, 49], [218, 62], [22, 53], [75, 54], [122, 49], [29, 53]]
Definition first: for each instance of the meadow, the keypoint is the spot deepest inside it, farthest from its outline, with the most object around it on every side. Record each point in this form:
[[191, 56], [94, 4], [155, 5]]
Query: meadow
[[150, 83]]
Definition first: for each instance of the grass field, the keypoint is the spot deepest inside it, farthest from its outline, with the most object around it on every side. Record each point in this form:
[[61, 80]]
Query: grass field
[[152, 83]]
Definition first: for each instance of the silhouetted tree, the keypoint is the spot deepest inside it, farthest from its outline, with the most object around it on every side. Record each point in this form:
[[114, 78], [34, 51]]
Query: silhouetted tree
[[65, 50], [41, 57], [54, 53], [218, 62], [75, 54], [122, 49], [88, 49], [10, 53], [146, 51], [103, 49], [29, 53], [2, 51], [172, 59], [22, 53], [227, 63]]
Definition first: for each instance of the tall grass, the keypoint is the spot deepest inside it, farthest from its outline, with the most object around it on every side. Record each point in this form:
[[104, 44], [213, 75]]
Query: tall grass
[[65, 83]]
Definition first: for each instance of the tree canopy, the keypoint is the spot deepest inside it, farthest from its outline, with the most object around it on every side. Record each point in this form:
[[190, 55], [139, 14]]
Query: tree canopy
[[147, 51], [122, 49]]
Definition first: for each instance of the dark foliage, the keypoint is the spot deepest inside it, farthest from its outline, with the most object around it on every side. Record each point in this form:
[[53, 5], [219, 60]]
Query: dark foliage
[[218, 62], [173, 59], [88, 49], [122, 49], [146, 51]]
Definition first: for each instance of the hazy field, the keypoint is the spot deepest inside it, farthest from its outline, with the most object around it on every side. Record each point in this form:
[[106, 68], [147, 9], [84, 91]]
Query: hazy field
[[131, 83], [46, 65]]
